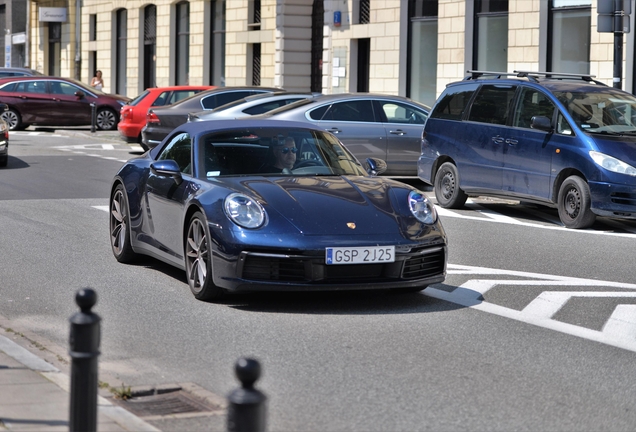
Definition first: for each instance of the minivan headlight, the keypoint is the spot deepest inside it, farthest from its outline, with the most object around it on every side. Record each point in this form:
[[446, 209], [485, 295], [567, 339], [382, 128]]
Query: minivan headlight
[[422, 208], [612, 164], [244, 211]]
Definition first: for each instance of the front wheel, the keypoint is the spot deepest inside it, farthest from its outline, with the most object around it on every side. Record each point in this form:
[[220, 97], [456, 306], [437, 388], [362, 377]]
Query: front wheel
[[574, 203], [198, 260], [106, 119], [13, 119], [120, 227], [447, 191]]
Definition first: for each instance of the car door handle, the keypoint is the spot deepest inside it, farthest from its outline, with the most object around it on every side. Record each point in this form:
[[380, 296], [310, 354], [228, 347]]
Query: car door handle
[[512, 142], [497, 139], [334, 130], [397, 132]]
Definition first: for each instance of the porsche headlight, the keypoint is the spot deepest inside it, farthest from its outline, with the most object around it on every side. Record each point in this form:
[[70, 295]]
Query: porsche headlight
[[612, 164], [244, 211], [422, 208]]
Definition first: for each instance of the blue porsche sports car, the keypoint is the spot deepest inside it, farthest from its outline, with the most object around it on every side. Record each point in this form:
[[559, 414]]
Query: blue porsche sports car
[[244, 205]]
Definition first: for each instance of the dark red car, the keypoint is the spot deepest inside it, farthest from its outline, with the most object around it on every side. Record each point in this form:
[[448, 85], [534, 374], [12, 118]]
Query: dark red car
[[54, 101]]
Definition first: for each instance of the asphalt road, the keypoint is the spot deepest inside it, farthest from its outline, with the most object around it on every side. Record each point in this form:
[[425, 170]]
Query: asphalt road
[[532, 330]]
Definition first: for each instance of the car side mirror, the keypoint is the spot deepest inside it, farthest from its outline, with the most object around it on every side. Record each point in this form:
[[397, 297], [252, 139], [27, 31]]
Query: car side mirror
[[375, 166], [79, 94], [541, 123], [167, 168]]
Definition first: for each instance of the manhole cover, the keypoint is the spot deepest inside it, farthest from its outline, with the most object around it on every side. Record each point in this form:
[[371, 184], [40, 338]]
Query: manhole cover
[[171, 400]]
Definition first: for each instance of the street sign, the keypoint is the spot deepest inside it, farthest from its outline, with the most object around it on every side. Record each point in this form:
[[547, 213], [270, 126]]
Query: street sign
[[613, 16]]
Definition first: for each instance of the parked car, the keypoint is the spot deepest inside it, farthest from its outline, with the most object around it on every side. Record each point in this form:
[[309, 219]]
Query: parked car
[[133, 114], [202, 201], [4, 140], [7, 72], [561, 140], [250, 105], [161, 121], [370, 125], [54, 101]]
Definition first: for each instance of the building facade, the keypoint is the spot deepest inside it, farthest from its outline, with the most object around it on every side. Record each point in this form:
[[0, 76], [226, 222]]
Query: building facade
[[407, 47]]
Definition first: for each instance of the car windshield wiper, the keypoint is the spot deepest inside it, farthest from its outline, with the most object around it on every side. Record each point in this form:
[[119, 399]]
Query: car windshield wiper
[[603, 132]]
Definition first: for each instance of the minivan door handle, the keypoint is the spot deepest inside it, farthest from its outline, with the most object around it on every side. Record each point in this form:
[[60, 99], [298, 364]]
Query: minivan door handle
[[397, 132], [497, 139], [334, 130], [512, 142]]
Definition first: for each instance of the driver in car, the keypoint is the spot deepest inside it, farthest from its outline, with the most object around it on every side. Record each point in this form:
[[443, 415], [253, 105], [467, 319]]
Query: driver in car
[[284, 155]]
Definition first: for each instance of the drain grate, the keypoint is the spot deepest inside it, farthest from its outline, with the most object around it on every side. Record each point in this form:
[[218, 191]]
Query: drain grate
[[152, 402]]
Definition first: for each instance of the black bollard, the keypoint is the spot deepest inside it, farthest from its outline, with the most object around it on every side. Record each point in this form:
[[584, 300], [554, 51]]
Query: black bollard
[[84, 350], [93, 117], [246, 407]]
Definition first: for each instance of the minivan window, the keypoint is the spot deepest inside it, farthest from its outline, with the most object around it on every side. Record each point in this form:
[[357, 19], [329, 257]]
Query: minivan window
[[492, 104], [454, 102], [532, 103], [601, 111]]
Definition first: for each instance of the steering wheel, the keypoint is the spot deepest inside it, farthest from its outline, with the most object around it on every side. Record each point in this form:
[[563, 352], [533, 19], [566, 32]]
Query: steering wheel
[[308, 162]]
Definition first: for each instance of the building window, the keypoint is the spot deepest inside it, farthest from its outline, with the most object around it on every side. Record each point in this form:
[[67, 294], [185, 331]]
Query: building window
[[362, 10], [92, 27], [121, 51], [183, 44], [55, 48], [254, 22], [422, 61], [217, 45], [491, 35], [256, 64], [570, 32], [150, 46]]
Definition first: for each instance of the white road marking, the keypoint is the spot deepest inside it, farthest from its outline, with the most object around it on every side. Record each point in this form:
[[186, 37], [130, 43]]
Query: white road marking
[[622, 323], [619, 330], [491, 217], [104, 208]]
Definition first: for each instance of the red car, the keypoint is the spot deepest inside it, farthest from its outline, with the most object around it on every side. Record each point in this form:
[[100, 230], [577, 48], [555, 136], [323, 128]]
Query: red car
[[133, 114]]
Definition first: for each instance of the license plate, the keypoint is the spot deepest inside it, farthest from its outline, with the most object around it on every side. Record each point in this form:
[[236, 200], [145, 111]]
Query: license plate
[[360, 255]]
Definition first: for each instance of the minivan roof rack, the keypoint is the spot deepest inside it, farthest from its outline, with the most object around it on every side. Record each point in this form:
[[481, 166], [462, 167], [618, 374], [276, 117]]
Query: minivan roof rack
[[474, 74], [558, 75], [532, 76]]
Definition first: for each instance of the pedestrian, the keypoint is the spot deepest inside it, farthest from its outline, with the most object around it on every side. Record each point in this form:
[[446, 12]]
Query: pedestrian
[[97, 82]]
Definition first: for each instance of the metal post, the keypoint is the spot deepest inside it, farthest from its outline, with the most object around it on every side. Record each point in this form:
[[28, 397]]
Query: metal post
[[618, 43], [93, 117], [84, 350], [246, 408]]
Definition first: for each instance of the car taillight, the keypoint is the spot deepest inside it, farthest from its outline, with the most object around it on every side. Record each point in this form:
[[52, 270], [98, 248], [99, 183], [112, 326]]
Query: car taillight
[[6, 134], [127, 113], [152, 118]]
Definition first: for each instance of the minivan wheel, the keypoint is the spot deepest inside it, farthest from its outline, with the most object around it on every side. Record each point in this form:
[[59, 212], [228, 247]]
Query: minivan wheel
[[447, 191], [574, 203]]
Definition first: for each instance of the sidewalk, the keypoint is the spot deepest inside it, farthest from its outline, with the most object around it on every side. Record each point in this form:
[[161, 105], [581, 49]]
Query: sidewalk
[[34, 396]]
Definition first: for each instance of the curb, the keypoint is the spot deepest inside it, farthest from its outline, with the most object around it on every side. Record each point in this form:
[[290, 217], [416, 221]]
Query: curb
[[117, 414]]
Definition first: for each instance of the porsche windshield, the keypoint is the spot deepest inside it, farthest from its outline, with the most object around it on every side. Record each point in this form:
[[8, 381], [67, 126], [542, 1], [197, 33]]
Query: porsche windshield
[[276, 151], [601, 112]]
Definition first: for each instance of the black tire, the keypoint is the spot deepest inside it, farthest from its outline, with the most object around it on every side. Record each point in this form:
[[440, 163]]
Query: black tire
[[120, 226], [574, 203], [106, 119], [13, 119], [3, 161], [447, 191], [198, 260]]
